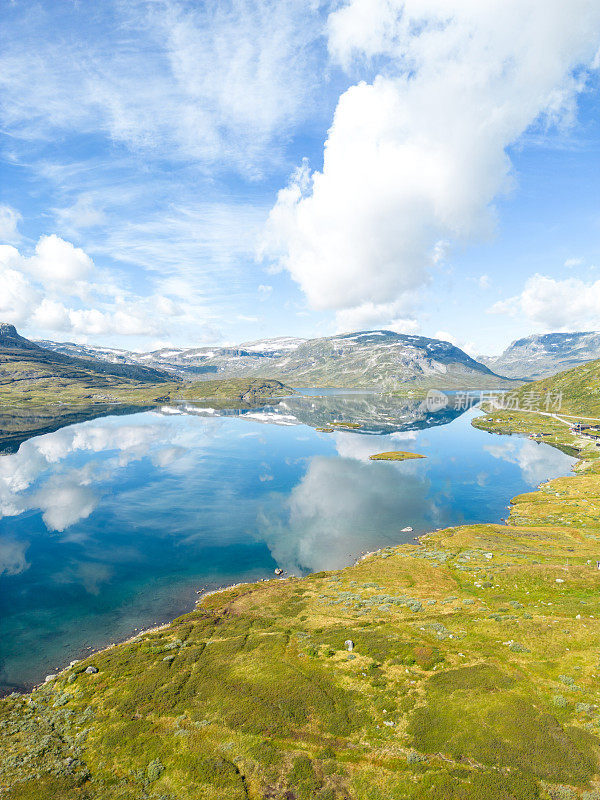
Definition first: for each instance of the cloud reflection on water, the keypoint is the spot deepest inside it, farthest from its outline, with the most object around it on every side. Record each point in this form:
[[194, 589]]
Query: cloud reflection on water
[[340, 507], [41, 475], [536, 461]]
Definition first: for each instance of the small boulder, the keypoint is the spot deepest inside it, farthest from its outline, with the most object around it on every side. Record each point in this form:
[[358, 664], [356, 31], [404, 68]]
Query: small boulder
[[278, 571], [49, 678], [91, 670], [349, 645]]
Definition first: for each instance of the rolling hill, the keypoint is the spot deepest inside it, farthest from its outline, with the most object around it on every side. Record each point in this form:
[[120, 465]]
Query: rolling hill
[[577, 390]]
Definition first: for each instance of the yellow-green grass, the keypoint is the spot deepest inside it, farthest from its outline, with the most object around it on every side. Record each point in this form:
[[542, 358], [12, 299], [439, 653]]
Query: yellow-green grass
[[395, 455], [579, 389]]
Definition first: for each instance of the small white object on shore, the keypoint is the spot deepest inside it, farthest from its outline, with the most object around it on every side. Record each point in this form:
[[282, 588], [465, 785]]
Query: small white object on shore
[[408, 529]]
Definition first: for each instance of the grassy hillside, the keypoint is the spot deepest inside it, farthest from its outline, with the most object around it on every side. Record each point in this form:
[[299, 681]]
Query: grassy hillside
[[462, 668], [580, 388]]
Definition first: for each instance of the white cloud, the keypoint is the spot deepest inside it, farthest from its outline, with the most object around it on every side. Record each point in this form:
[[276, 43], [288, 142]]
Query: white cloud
[[573, 262], [484, 281], [65, 503], [56, 261], [469, 347], [570, 304], [51, 315], [9, 221], [17, 296], [39, 475], [375, 315], [418, 154], [41, 291]]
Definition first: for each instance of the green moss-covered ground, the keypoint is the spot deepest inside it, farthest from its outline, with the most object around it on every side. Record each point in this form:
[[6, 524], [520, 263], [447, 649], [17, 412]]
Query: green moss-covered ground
[[465, 667]]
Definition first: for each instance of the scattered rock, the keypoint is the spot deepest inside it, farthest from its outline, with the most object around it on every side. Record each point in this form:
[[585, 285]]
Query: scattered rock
[[278, 571], [349, 645], [408, 529], [49, 678], [91, 670]]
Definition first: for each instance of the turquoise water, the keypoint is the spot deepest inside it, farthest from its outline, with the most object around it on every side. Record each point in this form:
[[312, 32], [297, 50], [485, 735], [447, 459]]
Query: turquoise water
[[112, 525]]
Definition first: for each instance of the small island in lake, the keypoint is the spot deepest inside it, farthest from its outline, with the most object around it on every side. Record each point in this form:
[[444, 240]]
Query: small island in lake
[[395, 455]]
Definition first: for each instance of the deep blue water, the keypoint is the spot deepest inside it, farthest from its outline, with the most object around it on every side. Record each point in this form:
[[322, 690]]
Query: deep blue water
[[113, 524]]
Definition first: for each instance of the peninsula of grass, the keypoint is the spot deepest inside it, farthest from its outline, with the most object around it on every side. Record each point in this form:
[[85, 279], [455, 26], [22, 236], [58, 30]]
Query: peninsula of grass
[[462, 667], [395, 455]]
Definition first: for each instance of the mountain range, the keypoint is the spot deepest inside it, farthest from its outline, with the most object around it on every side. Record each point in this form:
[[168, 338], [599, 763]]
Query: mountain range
[[540, 356], [377, 359], [22, 359]]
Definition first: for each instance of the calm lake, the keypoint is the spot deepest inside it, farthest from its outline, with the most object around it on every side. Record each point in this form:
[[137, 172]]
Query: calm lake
[[112, 525]]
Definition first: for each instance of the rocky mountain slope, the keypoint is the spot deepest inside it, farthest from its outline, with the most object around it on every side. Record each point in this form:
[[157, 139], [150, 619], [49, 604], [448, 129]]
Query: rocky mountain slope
[[20, 358], [539, 356], [371, 359]]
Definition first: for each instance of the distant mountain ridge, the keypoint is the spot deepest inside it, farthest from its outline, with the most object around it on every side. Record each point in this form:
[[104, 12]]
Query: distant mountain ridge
[[542, 355], [379, 359], [14, 347]]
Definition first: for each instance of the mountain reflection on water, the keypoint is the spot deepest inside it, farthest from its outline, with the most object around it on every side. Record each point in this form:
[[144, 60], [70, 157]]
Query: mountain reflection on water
[[375, 413], [113, 524]]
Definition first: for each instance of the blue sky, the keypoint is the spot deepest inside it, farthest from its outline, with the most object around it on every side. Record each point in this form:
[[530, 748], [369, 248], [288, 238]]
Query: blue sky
[[189, 173]]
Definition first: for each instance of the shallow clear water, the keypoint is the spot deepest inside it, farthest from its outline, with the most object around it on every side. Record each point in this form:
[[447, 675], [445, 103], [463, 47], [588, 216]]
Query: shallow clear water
[[113, 524]]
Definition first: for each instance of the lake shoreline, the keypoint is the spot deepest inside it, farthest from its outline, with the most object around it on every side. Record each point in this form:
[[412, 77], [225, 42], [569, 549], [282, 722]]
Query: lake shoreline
[[167, 605]]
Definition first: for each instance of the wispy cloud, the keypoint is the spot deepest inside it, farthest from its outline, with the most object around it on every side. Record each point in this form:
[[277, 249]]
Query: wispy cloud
[[212, 82]]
